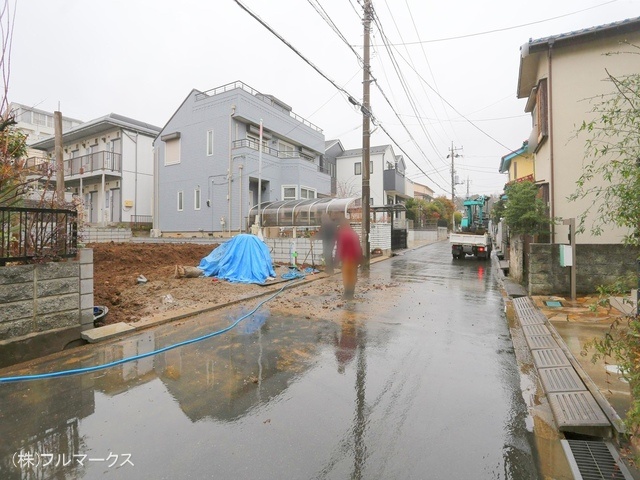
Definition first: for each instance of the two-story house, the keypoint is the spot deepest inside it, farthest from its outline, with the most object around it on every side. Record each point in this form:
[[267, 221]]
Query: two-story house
[[387, 179], [421, 191], [210, 162], [518, 165], [109, 162], [558, 77]]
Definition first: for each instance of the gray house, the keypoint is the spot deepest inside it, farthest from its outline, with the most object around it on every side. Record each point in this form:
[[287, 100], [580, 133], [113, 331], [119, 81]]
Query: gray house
[[207, 160]]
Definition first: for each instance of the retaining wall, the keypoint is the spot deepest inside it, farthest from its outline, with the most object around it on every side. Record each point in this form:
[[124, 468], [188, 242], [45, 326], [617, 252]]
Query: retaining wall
[[595, 265], [423, 237], [45, 306]]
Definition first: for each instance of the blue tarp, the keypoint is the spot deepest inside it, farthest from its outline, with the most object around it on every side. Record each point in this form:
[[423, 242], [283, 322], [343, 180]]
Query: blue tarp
[[243, 259]]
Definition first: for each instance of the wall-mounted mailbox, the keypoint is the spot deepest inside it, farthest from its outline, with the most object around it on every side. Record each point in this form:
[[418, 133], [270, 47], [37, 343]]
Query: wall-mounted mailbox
[[566, 256]]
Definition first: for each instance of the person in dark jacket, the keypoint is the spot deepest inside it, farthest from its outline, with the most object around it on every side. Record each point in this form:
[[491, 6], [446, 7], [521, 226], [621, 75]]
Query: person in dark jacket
[[349, 253], [327, 232]]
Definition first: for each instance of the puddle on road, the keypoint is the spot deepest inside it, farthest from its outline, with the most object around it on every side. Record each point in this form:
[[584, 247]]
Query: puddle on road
[[219, 379]]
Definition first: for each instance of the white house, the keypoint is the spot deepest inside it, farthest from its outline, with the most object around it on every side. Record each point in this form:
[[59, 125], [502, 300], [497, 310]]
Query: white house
[[109, 161], [387, 179]]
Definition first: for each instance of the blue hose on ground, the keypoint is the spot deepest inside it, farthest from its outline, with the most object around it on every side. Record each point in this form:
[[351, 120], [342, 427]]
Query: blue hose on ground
[[77, 371]]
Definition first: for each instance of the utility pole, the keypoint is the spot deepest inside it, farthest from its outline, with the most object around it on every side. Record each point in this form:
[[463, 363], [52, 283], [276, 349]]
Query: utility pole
[[57, 126], [468, 182], [453, 156], [366, 138]]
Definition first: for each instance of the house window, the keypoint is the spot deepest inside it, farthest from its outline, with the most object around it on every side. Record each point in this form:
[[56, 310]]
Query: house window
[[209, 143], [307, 192], [255, 141], [358, 168], [180, 201], [289, 193], [541, 110], [171, 148], [196, 199], [40, 119], [286, 150]]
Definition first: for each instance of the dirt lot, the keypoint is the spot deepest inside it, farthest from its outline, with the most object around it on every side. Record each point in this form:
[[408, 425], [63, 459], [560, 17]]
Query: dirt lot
[[116, 267]]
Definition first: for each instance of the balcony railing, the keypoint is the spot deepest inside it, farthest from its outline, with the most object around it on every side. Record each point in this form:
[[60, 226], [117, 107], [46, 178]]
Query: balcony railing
[[253, 145], [393, 181], [38, 165], [265, 98], [31, 233], [92, 163]]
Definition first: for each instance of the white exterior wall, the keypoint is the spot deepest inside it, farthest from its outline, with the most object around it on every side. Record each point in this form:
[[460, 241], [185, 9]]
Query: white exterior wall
[[141, 195]]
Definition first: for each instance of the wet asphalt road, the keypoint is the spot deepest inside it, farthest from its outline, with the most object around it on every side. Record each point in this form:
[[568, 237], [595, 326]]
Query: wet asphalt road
[[415, 379]]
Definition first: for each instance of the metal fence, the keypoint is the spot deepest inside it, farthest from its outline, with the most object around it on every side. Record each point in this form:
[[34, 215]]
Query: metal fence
[[31, 233], [140, 222]]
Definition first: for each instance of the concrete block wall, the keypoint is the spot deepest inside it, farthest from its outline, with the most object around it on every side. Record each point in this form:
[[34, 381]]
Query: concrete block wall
[[44, 297], [420, 237], [104, 235], [85, 260], [309, 250], [596, 265]]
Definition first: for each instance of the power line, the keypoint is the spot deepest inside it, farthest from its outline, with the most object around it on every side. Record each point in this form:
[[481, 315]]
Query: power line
[[406, 89], [450, 105], [327, 18], [350, 97], [504, 29]]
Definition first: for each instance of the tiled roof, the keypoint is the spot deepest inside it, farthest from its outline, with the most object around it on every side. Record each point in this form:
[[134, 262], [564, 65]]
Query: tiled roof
[[358, 151], [609, 28]]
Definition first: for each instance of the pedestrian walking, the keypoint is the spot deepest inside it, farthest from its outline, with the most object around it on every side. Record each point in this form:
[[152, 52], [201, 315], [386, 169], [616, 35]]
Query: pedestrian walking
[[327, 232], [349, 252]]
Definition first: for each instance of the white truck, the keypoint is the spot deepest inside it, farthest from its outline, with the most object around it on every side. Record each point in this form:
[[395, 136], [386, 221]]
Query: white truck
[[467, 243]]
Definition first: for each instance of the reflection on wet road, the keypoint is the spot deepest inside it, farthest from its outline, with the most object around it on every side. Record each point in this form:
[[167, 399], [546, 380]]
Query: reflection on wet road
[[415, 379]]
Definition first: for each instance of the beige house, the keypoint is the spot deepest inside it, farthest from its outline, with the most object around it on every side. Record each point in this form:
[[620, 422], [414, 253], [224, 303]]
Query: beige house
[[558, 75], [422, 192]]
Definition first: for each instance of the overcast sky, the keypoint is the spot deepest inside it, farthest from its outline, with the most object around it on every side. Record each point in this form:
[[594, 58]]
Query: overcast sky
[[141, 58]]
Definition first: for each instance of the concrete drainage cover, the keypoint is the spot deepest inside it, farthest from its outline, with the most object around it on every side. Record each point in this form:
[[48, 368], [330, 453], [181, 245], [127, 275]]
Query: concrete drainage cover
[[561, 379], [550, 357], [594, 460], [576, 409], [541, 341], [535, 330], [527, 313]]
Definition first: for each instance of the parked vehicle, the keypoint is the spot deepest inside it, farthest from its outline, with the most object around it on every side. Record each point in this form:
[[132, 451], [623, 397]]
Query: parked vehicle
[[473, 239]]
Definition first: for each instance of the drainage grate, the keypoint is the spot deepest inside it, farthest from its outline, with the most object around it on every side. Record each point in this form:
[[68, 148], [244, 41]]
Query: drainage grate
[[553, 303], [550, 357], [541, 341], [561, 379], [535, 330], [576, 409], [594, 460]]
